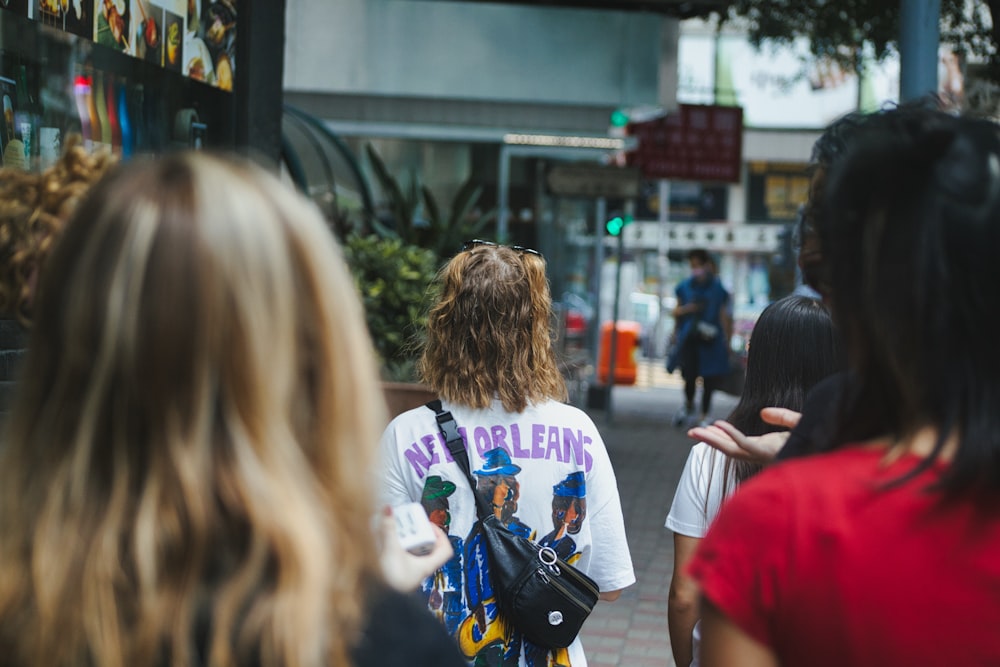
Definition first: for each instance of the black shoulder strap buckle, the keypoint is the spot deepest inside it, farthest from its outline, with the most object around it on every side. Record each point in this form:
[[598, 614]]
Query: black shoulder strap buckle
[[453, 439]]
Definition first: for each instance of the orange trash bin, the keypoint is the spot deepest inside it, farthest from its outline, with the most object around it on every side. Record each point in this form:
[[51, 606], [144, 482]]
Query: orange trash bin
[[626, 368]]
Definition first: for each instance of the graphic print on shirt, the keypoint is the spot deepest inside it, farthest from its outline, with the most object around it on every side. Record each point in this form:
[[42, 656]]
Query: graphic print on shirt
[[549, 442], [444, 590], [483, 636], [569, 509]]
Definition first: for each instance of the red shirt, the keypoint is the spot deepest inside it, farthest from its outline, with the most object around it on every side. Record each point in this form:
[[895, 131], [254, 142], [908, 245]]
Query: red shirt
[[820, 562]]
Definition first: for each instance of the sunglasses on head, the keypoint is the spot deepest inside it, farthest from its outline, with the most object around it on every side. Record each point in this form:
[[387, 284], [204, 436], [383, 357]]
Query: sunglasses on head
[[468, 245]]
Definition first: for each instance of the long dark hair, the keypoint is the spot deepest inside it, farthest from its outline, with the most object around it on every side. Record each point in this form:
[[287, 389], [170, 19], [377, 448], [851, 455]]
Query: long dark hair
[[793, 346], [913, 233]]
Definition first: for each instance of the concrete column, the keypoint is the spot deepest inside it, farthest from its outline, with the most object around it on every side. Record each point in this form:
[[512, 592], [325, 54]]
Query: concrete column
[[260, 41], [667, 85]]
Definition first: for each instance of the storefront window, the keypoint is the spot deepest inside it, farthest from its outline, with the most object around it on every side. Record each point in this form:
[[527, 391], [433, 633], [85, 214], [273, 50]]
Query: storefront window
[[130, 76]]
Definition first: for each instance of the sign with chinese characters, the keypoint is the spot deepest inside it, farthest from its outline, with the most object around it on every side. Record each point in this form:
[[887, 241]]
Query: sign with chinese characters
[[695, 143], [593, 180], [714, 237]]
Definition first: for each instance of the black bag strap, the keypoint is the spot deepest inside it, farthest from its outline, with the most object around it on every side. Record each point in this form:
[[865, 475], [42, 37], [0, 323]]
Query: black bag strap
[[453, 439]]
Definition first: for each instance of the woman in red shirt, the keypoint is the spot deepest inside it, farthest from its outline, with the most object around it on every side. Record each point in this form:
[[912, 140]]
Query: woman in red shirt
[[883, 552]]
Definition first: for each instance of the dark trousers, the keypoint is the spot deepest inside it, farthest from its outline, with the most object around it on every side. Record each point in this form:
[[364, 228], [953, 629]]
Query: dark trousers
[[708, 387], [689, 371]]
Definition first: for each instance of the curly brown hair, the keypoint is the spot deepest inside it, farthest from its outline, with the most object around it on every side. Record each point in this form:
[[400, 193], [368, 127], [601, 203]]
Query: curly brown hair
[[489, 334], [33, 209]]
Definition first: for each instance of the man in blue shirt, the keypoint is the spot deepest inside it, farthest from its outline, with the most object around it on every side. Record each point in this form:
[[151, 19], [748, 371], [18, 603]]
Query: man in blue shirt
[[704, 328]]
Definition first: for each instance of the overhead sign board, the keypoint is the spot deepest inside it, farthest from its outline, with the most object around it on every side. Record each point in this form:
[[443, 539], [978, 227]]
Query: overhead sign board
[[695, 143], [712, 236], [593, 180]]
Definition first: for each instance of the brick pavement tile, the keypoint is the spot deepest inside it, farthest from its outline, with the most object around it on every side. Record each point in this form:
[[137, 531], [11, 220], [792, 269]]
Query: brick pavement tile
[[603, 659], [602, 633], [654, 627], [648, 455]]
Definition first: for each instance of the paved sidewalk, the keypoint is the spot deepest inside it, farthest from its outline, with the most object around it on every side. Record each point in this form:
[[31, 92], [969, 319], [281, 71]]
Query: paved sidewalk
[[648, 454]]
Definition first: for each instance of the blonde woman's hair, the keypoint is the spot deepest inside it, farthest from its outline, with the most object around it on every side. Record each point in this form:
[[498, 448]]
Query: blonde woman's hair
[[187, 474], [489, 333], [33, 209]]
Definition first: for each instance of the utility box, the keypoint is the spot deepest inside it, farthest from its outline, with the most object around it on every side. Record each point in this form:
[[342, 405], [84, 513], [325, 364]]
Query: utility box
[[626, 370]]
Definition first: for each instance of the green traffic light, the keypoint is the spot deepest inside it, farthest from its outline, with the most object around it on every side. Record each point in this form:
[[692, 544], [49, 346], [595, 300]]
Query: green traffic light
[[619, 118], [616, 224]]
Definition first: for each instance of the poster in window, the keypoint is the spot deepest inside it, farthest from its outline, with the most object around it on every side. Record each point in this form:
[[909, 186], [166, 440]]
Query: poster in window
[[147, 31], [173, 42], [75, 16], [212, 31], [196, 38], [113, 22]]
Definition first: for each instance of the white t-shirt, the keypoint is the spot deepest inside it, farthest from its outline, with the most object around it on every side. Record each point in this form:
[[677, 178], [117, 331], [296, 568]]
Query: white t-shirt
[[549, 470], [696, 504], [699, 492]]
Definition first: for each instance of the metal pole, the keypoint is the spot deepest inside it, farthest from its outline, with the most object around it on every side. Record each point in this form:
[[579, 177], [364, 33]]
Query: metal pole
[[662, 260], [503, 185], [613, 351], [598, 259], [919, 40]]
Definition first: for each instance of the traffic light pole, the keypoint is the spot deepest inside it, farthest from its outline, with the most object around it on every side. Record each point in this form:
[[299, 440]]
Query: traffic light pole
[[627, 218], [594, 331], [613, 351]]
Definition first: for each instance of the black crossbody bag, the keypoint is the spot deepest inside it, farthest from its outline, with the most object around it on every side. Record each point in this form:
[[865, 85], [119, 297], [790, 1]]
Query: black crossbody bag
[[537, 593]]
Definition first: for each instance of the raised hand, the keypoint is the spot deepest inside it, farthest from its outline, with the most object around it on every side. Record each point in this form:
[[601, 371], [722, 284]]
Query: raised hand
[[729, 440]]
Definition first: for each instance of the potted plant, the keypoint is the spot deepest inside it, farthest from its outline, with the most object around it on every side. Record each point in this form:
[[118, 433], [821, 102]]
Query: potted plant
[[416, 217], [392, 278]]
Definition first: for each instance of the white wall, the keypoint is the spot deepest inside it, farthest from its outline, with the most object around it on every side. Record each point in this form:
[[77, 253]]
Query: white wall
[[429, 48]]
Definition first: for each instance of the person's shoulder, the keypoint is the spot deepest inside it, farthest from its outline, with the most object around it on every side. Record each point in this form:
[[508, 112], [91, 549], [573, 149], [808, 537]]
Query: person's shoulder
[[400, 631], [814, 475], [414, 416], [701, 456], [830, 388], [407, 427], [557, 412]]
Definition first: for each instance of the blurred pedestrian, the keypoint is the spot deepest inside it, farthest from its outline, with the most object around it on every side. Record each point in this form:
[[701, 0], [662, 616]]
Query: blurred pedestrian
[[541, 464], [188, 473], [793, 346], [815, 561], [702, 334]]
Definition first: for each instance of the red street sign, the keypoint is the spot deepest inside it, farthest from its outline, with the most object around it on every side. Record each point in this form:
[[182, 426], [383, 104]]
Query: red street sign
[[696, 143]]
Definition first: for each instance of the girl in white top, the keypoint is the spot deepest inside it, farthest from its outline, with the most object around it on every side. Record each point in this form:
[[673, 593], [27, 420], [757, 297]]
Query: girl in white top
[[793, 347]]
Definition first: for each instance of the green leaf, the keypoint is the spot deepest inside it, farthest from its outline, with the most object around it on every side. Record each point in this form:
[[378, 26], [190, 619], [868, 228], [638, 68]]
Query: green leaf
[[393, 279], [432, 208]]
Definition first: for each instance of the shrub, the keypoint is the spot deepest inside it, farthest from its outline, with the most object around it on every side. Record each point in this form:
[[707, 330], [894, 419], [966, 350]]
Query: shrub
[[393, 279]]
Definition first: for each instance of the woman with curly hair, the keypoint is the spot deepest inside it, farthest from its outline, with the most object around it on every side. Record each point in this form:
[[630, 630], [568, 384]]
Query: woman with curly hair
[[541, 463], [187, 475], [33, 209]]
